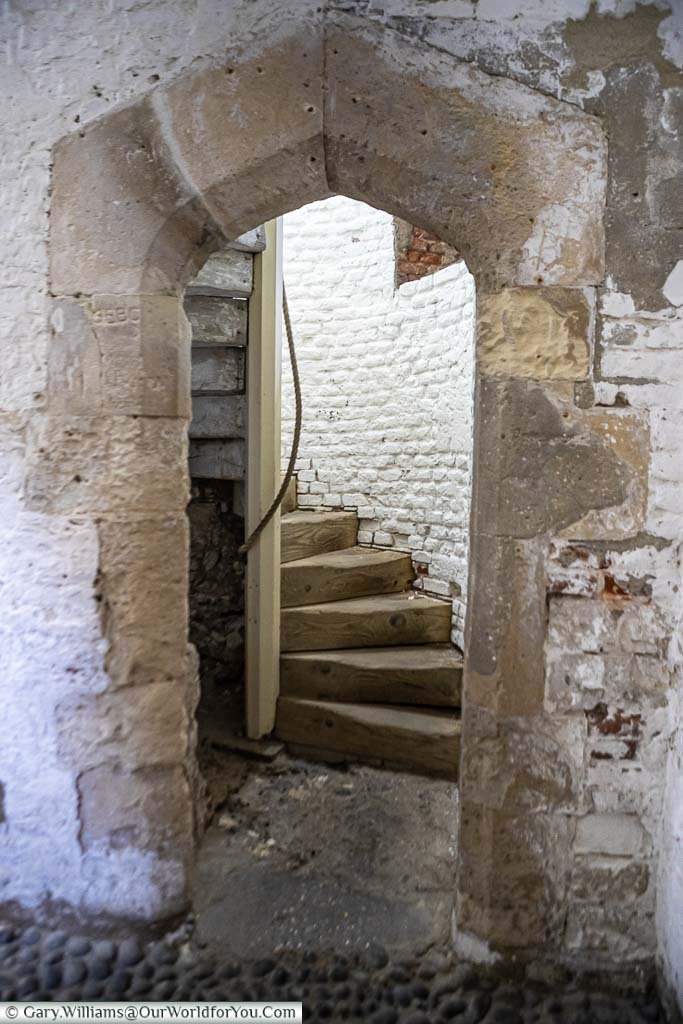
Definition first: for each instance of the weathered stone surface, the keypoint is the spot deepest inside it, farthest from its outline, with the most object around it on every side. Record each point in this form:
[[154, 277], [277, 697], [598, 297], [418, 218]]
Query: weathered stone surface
[[481, 137], [522, 768], [598, 930], [215, 320], [643, 211], [532, 442], [506, 626], [111, 183], [136, 726], [81, 464], [604, 652], [141, 589], [148, 809], [542, 333], [597, 879], [512, 883], [615, 835], [624, 439], [249, 134], [119, 354]]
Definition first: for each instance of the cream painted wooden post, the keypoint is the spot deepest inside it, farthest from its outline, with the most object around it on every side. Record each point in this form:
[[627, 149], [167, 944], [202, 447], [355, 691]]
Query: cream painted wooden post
[[264, 365]]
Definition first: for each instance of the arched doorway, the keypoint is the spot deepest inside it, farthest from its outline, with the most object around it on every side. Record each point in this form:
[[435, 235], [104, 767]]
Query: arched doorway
[[140, 199]]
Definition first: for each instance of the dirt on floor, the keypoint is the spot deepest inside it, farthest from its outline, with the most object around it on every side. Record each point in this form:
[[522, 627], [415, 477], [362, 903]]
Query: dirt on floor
[[319, 857]]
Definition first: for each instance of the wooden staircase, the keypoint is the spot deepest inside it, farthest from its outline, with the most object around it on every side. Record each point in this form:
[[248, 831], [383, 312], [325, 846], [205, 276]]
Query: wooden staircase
[[367, 670]]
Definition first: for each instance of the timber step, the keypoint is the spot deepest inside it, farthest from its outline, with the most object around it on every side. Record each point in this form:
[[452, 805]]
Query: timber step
[[351, 572], [422, 741], [429, 675], [381, 621], [305, 533]]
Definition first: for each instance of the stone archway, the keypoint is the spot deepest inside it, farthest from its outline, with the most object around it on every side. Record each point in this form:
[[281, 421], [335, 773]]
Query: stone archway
[[140, 199]]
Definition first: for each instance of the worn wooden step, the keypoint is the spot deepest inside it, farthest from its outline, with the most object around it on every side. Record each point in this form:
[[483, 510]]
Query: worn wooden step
[[290, 499], [430, 675], [217, 371], [311, 533], [213, 459], [227, 273], [352, 572], [216, 321], [420, 741], [218, 416], [382, 621]]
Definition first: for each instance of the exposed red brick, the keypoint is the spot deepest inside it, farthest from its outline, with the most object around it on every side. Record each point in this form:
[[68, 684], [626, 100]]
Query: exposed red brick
[[424, 254]]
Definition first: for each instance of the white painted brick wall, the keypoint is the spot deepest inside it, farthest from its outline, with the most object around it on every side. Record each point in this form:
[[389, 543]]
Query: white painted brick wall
[[387, 380]]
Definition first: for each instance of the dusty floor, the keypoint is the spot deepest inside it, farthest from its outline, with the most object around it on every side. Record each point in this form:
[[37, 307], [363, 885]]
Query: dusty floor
[[318, 884], [307, 856]]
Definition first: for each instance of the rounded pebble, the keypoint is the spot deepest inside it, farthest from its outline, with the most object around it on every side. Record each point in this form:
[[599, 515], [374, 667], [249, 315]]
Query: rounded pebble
[[130, 953], [364, 986], [99, 969], [74, 971], [120, 980], [28, 986], [50, 977], [104, 949], [55, 940], [162, 954], [165, 991], [31, 937], [77, 946], [92, 989]]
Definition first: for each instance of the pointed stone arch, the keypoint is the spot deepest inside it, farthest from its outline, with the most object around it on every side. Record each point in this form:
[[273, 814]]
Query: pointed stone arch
[[140, 198]]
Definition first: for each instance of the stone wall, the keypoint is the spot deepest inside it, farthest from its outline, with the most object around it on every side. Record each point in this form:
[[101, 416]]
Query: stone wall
[[217, 600], [387, 378], [544, 142]]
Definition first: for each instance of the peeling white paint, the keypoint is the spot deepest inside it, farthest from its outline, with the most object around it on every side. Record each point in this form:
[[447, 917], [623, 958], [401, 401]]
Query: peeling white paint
[[673, 286]]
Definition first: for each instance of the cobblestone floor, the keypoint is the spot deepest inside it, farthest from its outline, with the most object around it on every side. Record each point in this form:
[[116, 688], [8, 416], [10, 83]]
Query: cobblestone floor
[[51, 965]]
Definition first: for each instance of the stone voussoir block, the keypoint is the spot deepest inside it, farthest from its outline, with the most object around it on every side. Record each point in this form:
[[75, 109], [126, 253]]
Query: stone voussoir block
[[122, 220], [535, 332]]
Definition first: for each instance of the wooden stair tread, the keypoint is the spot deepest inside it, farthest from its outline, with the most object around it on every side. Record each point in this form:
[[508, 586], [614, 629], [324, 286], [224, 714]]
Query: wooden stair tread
[[423, 741], [378, 621], [305, 533], [428, 674], [345, 573]]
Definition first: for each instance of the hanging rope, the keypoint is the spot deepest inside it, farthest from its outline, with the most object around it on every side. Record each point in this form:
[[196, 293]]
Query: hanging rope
[[277, 500]]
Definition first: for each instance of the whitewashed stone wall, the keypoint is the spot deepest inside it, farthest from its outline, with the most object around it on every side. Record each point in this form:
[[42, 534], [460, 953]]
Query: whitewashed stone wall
[[61, 73], [387, 378]]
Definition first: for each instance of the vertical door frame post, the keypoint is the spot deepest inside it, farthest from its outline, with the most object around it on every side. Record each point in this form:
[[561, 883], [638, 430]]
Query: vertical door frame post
[[264, 368]]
